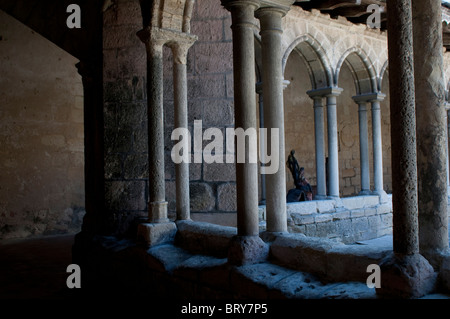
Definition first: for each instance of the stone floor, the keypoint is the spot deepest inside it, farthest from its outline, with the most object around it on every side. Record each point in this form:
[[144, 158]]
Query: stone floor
[[36, 269]]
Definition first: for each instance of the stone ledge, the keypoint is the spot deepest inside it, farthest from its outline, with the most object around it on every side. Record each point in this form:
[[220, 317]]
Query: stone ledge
[[204, 238], [331, 261], [168, 271], [153, 234]]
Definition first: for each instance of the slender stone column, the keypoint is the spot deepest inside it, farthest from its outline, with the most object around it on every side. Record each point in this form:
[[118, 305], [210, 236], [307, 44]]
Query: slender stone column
[[158, 229], [271, 31], [333, 169], [363, 144], [375, 99], [261, 139], [431, 137], [405, 273], [247, 246], [180, 50], [320, 145], [157, 210]]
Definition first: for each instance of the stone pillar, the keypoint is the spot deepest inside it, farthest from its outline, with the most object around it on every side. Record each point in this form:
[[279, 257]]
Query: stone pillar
[[261, 139], [180, 50], [363, 144], [431, 128], [405, 273], [271, 31], [158, 229], [319, 137], [247, 246], [333, 169], [96, 220], [375, 99], [157, 207], [447, 107]]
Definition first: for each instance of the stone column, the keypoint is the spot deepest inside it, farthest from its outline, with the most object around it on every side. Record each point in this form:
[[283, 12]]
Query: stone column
[[261, 139], [271, 31], [180, 50], [375, 99], [405, 273], [157, 197], [96, 221], [247, 246], [319, 137], [158, 229], [333, 169], [431, 128], [363, 144], [447, 107]]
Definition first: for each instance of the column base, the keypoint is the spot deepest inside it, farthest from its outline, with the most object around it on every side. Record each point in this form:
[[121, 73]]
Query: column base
[[365, 192], [337, 200], [320, 197], [406, 276], [157, 212], [152, 234], [245, 250], [382, 195], [269, 236], [436, 256]]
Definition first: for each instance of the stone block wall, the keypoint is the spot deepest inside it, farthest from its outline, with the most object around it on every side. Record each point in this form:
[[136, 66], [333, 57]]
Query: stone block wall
[[41, 135], [210, 99], [347, 220], [125, 114]]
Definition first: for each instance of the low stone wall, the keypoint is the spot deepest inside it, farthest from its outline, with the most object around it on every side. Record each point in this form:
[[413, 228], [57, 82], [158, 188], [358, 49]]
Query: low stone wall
[[347, 220]]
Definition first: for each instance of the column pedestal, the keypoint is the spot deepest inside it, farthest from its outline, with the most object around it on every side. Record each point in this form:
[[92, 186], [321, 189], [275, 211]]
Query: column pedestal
[[405, 273], [247, 244]]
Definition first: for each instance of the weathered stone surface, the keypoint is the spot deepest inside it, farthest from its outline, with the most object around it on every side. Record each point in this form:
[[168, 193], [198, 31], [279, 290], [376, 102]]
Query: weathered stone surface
[[194, 267], [153, 234], [245, 250], [216, 172], [201, 197], [204, 238], [302, 253], [226, 194], [406, 276], [258, 279], [166, 258], [125, 195]]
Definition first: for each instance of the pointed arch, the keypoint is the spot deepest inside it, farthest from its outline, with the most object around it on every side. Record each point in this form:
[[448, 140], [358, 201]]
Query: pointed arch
[[315, 59], [362, 70], [383, 70]]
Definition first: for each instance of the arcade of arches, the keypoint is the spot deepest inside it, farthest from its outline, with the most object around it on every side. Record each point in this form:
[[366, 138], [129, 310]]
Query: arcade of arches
[[364, 110]]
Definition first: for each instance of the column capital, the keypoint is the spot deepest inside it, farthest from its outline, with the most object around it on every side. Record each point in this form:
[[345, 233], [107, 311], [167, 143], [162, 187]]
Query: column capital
[[155, 38], [283, 5], [181, 46], [228, 4], [259, 86], [325, 92], [369, 97]]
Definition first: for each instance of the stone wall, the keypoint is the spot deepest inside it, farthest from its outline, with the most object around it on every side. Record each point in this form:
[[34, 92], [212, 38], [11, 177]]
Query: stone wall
[[347, 220], [125, 114], [41, 135], [210, 99]]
